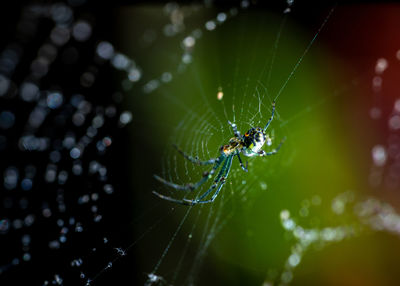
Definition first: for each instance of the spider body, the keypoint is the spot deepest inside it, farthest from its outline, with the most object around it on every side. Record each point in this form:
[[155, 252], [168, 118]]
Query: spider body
[[253, 140], [250, 145]]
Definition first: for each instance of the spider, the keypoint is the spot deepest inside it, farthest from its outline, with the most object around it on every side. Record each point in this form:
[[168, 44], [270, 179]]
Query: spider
[[249, 145]]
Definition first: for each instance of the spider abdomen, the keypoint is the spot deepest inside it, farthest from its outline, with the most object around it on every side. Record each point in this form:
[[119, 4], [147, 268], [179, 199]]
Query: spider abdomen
[[253, 140]]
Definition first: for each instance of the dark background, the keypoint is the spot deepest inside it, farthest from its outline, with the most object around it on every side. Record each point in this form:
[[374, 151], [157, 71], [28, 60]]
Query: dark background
[[116, 210]]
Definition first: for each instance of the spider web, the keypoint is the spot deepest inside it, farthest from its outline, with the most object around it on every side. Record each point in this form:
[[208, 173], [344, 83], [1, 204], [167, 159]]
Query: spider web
[[183, 72]]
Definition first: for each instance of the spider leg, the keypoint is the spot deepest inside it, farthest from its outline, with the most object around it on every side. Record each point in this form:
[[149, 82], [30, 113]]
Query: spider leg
[[235, 130], [222, 180], [191, 187], [194, 160], [241, 163], [191, 202], [262, 153], [272, 116], [187, 187], [216, 181], [170, 199]]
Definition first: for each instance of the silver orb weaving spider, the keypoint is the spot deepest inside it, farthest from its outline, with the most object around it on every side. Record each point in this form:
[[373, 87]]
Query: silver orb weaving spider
[[249, 145]]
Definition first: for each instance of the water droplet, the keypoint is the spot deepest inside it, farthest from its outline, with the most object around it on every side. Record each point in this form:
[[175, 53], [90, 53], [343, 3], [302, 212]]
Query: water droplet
[[375, 113], [210, 25], [54, 100], [394, 122], [29, 91], [377, 83], [125, 117], [221, 17], [105, 50], [379, 155], [4, 225], [7, 119], [134, 74], [220, 95], [81, 31], [189, 42], [381, 65], [294, 259], [108, 189], [120, 61], [285, 214]]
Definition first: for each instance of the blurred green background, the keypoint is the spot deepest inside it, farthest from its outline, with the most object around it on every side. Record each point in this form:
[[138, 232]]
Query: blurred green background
[[238, 240]]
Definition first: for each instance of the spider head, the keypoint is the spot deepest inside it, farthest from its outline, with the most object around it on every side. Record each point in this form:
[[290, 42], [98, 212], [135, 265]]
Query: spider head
[[232, 146]]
